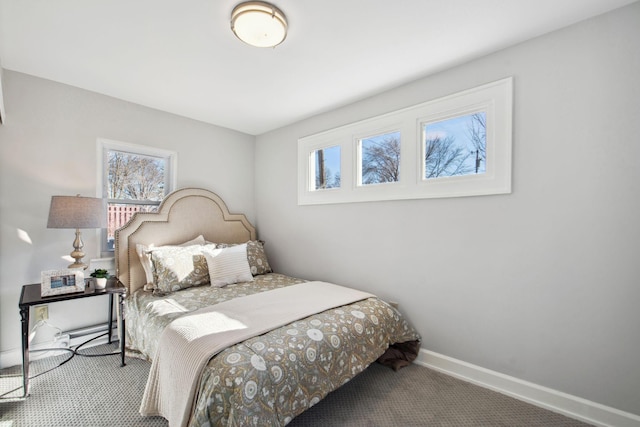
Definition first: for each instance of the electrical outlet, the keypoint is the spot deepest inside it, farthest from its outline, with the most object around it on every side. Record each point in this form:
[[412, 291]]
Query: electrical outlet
[[42, 312]]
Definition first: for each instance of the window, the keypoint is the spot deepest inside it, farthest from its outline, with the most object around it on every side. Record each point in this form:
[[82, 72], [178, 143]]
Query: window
[[326, 164], [379, 159], [134, 179], [458, 145]]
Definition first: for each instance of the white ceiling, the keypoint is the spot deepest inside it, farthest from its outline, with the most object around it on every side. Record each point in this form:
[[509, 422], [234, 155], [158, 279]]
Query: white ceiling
[[181, 56]]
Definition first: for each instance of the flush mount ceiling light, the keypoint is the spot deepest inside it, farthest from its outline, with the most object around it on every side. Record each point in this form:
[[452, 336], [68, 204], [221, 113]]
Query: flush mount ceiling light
[[259, 24]]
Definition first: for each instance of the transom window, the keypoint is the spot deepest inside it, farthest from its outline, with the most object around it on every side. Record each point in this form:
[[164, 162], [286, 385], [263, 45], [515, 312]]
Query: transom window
[[458, 145]]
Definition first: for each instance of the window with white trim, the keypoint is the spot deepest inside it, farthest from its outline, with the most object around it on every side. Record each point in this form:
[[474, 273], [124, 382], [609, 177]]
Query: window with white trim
[[458, 145], [134, 178]]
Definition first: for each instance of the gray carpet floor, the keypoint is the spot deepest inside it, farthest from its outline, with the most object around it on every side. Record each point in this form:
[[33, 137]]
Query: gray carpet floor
[[96, 391]]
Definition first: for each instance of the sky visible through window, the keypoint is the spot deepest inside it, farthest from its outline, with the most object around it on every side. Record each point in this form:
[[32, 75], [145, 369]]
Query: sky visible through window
[[332, 159]]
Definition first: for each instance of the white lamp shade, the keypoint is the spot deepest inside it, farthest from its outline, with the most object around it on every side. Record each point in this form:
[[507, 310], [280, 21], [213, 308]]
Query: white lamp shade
[[259, 24]]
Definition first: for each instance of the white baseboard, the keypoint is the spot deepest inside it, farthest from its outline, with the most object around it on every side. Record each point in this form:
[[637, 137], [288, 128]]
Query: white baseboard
[[553, 400], [13, 357]]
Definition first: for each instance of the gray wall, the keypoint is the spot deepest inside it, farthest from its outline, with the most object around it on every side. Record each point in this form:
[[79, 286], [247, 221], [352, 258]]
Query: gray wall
[[48, 147], [541, 284]]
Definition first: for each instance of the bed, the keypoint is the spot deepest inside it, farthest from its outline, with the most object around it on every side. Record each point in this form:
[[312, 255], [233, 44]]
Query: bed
[[185, 269]]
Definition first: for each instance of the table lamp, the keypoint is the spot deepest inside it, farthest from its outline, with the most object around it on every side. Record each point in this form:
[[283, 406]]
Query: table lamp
[[77, 212]]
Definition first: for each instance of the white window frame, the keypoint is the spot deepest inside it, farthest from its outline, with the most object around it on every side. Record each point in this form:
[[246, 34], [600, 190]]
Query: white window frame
[[496, 99], [105, 145]]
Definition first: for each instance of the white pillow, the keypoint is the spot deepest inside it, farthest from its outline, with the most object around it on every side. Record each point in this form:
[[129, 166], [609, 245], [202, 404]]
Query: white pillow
[[144, 253], [228, 265]]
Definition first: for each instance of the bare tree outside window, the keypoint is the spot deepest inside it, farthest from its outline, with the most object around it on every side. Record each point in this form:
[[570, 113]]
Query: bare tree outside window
[[477, 130], [135, 183], [444, 158], [135, 177], [380, 158], [455, 146]]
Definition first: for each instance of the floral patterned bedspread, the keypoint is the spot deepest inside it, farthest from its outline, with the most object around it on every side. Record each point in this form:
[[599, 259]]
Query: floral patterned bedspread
[[269, 379]]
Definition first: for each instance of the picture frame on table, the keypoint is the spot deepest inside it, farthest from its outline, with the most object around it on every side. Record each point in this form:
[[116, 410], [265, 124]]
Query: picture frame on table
[[60, 282]]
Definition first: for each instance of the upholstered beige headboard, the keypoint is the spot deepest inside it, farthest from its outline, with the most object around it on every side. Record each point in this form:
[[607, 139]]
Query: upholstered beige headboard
[[182, 216]]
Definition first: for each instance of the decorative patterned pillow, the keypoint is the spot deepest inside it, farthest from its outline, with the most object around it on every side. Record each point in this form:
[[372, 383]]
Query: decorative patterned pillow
[[257, 258], [144, 254], [177, 267], [228, 265]]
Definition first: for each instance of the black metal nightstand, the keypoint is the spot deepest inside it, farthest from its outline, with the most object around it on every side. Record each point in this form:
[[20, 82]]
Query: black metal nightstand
[[30, 296]]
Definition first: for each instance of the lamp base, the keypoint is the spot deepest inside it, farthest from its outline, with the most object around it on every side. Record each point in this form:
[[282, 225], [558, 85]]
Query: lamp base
[[77, 253], [76, 264]]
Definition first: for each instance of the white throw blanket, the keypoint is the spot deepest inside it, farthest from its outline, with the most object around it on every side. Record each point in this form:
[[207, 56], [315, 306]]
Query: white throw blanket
[[189, 342]]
